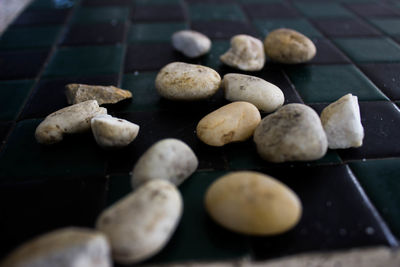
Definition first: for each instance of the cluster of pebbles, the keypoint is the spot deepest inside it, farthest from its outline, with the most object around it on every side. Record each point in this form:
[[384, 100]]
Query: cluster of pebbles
[[139, 225]]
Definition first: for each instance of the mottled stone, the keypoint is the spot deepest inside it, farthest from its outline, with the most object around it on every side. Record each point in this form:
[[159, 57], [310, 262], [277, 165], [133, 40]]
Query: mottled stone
[[231, 123], [289, 47], [168, 159], [67, 247], [246, 53], [72, 119], [253, 203], [111, 132], [293, 133], [342, 123], [141, 224], [77, 93], [264, 95], [191, 43], [182, 81]]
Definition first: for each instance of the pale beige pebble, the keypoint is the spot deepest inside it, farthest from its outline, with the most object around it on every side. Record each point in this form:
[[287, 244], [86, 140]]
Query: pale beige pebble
[[264, 95], [111, 132], [77, 93], [231, 123], [140, 225], [253, 203], [72, 119], [246, 53], [342, 123], [66, 247], [183, 81], [293, 133], [289, 46], [191, 43], [169, 159]]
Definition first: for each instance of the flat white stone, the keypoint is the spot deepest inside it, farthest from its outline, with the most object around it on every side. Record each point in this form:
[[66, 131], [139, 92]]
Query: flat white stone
[[264, 95], [191, 43], [111, 132], [342, 123]]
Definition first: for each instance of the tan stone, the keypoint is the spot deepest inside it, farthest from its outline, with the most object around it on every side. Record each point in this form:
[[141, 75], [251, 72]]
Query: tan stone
[[77, 93], [289, 47], [182, 81], [230, 123], [73, 247], [246, 53], [253, 203], [293, 133], [264, 95]]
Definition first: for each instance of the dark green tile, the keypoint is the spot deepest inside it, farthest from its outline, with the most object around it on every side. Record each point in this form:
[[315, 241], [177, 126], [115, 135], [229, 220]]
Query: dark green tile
[[23, 157], [197, 237], [327, 83], [12, 97], [77, 61], [52, 4], [21, 37], [157, 2], [322, 10], [119, 185], [212, 58], [390, 26], [301, 25], [380, 180], [259, 1], [370, 49], [226, 12], [101, 14], [154, 32]]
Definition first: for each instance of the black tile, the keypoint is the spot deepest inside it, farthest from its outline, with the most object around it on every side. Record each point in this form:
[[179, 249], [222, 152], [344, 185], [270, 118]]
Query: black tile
[[150, 56], [223, 29], [158, 13], [22, 64], [4, 130], [385, 76], [345, 27], [94, 34], [107, 2], [32, 209], [49, 94], [157, 125], [42, 17], [373, 10], [335, 214], [273, 10], [327, 53]]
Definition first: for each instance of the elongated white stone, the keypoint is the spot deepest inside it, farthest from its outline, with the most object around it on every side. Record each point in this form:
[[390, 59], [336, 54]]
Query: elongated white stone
[[191, 43]]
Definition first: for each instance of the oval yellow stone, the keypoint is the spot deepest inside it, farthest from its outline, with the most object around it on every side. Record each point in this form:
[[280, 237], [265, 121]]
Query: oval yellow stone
[[253, 203]]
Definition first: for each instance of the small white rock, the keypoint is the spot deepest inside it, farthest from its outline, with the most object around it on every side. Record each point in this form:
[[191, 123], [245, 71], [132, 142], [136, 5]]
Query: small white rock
[[264, 95], [168, 159], [246, 53], [342, 123], [140, 225], [111, 132], [67, 247], [191, 43]]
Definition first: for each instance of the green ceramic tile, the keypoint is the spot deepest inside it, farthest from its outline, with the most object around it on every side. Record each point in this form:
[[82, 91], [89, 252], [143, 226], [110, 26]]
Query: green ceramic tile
[[31, 37], [101, 14], [154, 32], [322, 10], [23, 157], [301, 25], [145, 96], [197, 237], [370, 49], [52, 4], [118, 187], [12, 97], [327, 83], [76, 61], [212, 58], [226, 12], [157, 2], [259, 1], [380, 180], [388, 25]]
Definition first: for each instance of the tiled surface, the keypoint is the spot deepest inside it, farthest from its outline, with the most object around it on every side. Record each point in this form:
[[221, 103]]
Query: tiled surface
[[349, 196]]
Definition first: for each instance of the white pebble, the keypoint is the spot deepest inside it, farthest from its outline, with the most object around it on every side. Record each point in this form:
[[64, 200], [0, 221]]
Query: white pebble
[[191, 43]]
